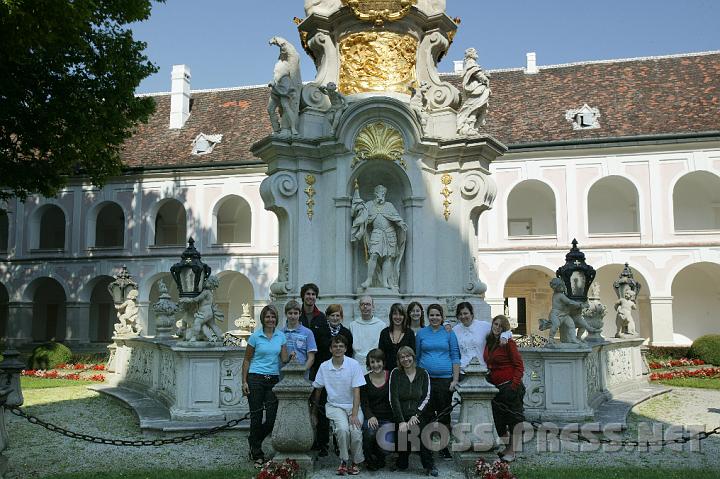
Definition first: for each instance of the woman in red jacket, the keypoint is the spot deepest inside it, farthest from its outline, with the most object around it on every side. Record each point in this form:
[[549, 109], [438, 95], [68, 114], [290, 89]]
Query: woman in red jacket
[[506, 372]]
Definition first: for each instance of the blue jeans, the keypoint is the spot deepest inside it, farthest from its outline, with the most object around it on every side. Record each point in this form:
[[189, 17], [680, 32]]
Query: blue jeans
[[261, 396], [374, 453]]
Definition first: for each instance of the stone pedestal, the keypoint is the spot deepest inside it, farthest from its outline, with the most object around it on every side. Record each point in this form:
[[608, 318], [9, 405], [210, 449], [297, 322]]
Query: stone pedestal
[[197, 385], [474, 434], [292, 436], [567, 384]]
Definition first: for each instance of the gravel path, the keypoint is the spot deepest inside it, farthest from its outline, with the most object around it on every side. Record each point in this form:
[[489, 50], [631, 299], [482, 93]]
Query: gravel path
[[36, 453]]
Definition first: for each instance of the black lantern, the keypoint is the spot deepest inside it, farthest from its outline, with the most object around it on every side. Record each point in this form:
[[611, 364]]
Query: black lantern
[[122, 285], [190, 273], [576, 274], [626, 281]]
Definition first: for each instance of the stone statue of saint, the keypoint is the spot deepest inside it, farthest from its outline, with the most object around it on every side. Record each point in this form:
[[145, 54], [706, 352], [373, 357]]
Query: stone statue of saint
[[285, 89], [204, 327], [476, 95], [623, 320], [128, 316], [338, 103], [378, 224]]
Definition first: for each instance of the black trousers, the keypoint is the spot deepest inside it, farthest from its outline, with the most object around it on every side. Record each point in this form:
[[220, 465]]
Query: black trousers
[[322, 437], [261, 396], [440, 400], [411, 442]]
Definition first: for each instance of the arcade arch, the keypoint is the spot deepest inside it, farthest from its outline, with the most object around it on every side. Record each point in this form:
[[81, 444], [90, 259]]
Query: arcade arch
[[51, 228], [696, 202], [102, 311], [110, 226], [528, 297], [171, 224], [233, 220], [696, 301], [235, 290], [48, 319], [613, 206], [531, 209]]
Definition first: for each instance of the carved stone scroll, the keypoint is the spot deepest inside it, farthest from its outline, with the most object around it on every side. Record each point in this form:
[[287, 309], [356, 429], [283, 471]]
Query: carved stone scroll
[[441, 94]]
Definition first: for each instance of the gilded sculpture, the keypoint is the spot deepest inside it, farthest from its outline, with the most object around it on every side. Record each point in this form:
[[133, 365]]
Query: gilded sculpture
[[379, 11], [285, 89], [378, 141], [377, 62]]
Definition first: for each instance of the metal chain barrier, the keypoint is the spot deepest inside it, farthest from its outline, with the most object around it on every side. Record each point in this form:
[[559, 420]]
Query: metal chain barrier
[[121, 442], [448, 410], [625, 442]]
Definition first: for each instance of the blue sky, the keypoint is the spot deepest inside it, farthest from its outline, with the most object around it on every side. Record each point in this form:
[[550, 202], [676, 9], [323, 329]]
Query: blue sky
[[225, 42]]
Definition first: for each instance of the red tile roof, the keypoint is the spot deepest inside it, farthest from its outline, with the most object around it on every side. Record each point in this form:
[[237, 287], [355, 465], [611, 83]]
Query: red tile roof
[[677, 95]]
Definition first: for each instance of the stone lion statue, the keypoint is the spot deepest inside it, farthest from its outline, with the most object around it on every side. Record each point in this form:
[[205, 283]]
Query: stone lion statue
[[285, 89]]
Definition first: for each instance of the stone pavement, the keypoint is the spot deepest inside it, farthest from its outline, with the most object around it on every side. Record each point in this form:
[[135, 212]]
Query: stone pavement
[[612, 411]]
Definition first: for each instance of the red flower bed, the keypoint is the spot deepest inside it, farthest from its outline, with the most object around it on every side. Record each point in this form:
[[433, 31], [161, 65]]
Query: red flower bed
[[685, 373], [495, 470], [674, 363], [55, 374], [98, 367], [279, 470]]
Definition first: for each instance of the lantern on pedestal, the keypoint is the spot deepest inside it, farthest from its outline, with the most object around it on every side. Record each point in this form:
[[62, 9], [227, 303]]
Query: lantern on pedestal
[[121, 287], [190, 272], [576, 274]]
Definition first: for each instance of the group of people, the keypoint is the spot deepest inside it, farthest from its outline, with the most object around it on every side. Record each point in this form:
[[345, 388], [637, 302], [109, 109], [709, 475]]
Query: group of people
[[376, 385]]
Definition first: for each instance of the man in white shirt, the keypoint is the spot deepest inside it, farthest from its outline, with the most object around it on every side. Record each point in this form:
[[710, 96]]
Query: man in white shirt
[[365, 331], [342, 378]]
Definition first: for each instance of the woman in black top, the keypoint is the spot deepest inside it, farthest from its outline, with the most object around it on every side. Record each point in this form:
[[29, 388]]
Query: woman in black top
[[409, 398], [375, 402], [395, 336], [323, 336]]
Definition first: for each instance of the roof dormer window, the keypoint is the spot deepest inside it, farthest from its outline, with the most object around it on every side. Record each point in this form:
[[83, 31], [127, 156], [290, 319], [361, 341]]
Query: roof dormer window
[[583, 118], [204, 144]]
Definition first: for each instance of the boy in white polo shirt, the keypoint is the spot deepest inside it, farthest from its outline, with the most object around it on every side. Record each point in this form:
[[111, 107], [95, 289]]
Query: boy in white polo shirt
[[342, 378]]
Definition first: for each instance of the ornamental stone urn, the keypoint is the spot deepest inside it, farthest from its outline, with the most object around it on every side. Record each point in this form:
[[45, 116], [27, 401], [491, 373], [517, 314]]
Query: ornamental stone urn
[[292, 436]]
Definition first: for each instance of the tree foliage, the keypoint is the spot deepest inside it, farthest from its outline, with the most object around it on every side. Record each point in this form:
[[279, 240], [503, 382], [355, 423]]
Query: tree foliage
[[68, 74]]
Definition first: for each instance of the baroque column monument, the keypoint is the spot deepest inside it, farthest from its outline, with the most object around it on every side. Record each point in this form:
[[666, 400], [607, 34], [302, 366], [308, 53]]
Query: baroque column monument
[[381, 170]]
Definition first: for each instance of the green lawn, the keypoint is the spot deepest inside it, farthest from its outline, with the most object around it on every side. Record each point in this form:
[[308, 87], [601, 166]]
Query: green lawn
[[612, 473], [702, 383], [42, 383], [519, 471], [217, 474]]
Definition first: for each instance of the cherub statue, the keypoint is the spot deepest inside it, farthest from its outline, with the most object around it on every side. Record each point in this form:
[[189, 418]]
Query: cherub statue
[[566, 315], [338, 103], [204, 327], [128, 313], [418, 102], [624, 320], [561, 314], [285, 89]]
